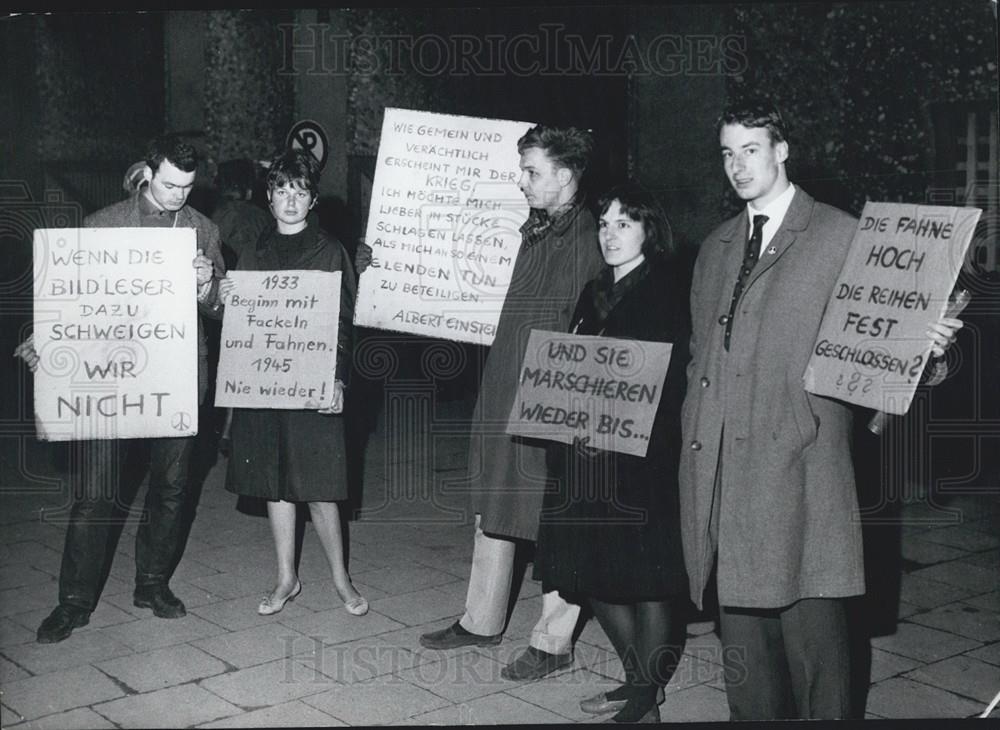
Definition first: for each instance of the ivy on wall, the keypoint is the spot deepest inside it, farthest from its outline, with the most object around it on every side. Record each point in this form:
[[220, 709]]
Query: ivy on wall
[[248, 104], [100, 84], [858, 82], [381, 76]]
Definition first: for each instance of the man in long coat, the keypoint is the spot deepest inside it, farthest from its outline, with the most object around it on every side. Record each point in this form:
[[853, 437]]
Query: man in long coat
[[103, 466], [767, 483], [507, 475]]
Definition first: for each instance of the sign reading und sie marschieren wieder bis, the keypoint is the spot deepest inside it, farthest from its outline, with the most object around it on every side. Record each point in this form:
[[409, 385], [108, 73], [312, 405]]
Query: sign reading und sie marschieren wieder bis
[[116, 332], [602, 390], [903, 262], [443, 225], [279, 340]]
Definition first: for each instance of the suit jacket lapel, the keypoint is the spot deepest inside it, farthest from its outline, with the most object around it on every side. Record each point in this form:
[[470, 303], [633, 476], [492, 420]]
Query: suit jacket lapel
[[796, 220]]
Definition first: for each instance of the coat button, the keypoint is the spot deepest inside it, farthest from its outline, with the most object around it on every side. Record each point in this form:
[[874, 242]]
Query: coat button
[[705, 382], [724, 319], [696, 445]]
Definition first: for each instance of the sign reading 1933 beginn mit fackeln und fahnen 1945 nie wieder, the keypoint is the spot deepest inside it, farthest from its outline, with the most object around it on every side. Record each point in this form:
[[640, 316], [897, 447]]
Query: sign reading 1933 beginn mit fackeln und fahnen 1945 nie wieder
[[279, 340], [602, 390], [116, 332], [903, 262], [443, 225]]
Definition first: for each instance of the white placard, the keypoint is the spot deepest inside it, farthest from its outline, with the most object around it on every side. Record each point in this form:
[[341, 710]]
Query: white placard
[[279, 340], [116, 330], [872, 345], [443, 225]]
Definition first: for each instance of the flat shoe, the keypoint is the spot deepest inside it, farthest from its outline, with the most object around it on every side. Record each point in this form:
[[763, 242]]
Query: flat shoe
[[357, 606], [269, 607]]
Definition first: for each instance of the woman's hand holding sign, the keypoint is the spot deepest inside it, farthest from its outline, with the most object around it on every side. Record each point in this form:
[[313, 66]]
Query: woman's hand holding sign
[[336, 401]]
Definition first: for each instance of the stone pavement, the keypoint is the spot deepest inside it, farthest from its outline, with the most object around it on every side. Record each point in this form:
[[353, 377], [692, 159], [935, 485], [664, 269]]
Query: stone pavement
[[313, 664]]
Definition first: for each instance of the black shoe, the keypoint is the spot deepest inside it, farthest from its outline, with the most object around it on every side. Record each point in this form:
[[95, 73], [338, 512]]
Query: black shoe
[[455, 636], [161, 599], [61, 622], [533, 663]]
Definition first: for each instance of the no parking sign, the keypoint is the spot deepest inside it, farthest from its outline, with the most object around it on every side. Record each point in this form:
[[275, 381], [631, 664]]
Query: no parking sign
[[309, 136]]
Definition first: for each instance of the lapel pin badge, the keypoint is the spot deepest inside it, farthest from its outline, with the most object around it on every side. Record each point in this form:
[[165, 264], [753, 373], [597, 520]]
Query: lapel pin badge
[[772, 250]]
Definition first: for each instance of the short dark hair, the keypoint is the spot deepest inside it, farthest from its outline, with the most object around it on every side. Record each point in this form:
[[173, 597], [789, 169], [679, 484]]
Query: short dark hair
[[755, 112], [567, 147], [641, 205], [175, 150], [294, 167], [237, 175]]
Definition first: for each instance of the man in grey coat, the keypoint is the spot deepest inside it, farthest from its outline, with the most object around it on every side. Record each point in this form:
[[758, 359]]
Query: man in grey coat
[[507, 475], [767, 484], [103, 465]]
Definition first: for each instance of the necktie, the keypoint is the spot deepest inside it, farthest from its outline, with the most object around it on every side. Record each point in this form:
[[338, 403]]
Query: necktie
[[750, 257]]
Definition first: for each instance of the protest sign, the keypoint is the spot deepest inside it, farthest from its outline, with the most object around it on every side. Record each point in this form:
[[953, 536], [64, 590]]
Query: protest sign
[[903, 262], [279, 340], [116, 331], [601, 389], [443, 225]]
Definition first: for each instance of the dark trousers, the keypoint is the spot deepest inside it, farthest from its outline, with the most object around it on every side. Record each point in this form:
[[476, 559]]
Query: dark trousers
[[104, 474], [791, 662]]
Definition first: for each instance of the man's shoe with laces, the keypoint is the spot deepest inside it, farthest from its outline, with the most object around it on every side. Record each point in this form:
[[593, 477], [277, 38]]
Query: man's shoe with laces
[[59, 624], [161, 599]]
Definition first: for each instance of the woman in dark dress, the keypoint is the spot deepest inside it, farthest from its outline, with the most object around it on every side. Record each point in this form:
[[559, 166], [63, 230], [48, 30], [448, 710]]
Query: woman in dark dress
[[284, 456], [610, 530]]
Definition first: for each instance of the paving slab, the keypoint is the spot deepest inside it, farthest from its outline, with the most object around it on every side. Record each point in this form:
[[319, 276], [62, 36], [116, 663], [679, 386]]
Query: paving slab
[[923, 643], [885, 665], [321, 595], [964, 619], [379, 701], [14, 632], [921, 590], [181, 706], [82, 718], [990, 654], [962, 675], [241, 613], [961, 536], [337, 625], [10, 672], [59, 691], [161, 668], [927, 552], [19, 575], [30, 598], [358, 661], [287, 714], [460, 678], [498, 709], [986, 601], [417, 608], [153, 632], [82, 647], [973, 578], [399, 579], [900, 698], [255, 645], [268, 684]]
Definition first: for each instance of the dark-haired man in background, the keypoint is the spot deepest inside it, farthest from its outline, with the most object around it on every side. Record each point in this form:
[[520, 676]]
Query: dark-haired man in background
[[767, 482], [103, 467], [559, 253]]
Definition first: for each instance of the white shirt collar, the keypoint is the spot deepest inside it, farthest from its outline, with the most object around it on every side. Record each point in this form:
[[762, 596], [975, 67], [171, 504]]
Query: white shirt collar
[[775, 212]]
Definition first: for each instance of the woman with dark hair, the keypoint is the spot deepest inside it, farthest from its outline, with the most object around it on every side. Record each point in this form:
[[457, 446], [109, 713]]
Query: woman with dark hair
[[609, 530], [286, 456]]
